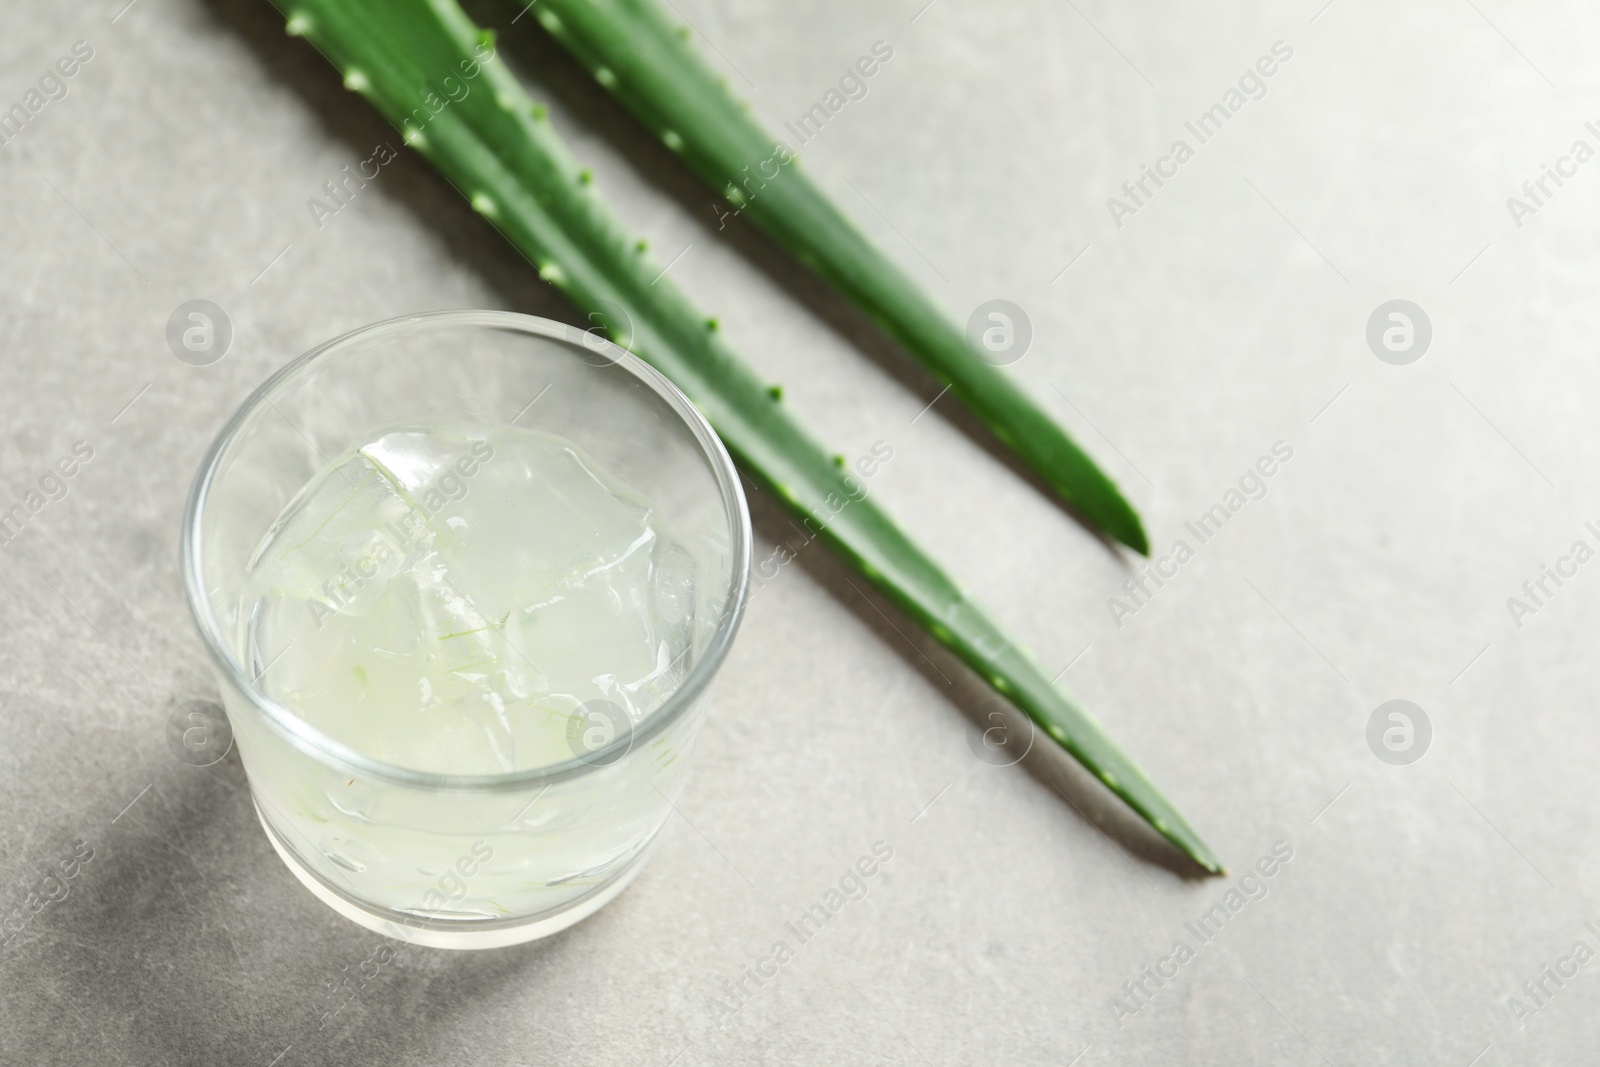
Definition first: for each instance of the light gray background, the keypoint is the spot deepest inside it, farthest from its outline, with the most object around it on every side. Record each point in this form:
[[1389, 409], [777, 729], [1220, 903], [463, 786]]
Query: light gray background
[[1228, 314]]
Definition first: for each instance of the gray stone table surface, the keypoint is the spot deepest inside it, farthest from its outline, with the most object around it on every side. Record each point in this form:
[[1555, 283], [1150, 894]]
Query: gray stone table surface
[[1185, 329]]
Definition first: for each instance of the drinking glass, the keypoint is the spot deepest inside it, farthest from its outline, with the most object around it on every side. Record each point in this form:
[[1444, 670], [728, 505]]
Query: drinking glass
[[464, 860]]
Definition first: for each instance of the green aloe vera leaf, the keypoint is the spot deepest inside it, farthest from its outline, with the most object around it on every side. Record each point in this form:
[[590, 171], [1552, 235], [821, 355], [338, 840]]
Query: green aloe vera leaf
[[488, 138], [641, 58]]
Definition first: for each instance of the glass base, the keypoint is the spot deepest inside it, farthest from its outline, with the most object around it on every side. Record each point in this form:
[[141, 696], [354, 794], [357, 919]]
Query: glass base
[[459, 933]]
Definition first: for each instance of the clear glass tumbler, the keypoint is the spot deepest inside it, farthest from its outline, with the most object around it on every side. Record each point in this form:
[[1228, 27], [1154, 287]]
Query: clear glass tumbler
[[453, 860]]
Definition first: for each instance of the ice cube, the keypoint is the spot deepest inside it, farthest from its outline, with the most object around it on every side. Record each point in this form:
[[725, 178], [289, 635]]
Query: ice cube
[[450, 600]]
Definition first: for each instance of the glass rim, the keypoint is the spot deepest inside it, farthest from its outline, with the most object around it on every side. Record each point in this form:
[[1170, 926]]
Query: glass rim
[[319, 745]]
